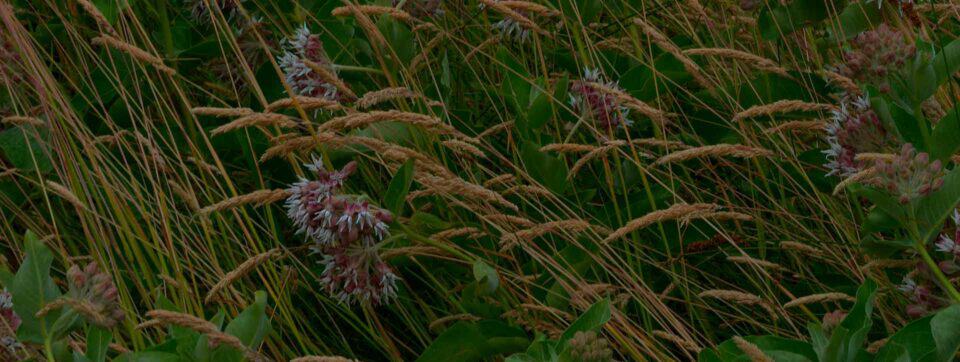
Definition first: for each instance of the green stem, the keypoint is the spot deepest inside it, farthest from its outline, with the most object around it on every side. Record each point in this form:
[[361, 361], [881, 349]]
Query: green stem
[[48, 348], [942, 278], [920, 245]]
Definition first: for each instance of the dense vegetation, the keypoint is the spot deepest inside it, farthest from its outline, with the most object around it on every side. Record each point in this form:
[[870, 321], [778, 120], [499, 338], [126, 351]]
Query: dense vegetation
[[547, 180]]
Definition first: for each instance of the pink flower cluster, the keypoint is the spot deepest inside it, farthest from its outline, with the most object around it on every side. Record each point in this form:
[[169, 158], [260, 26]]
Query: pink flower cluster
[[910, 174], [922, 299], [855, 128], [200, 9], [91, 285], [602, 107], [918, 284], [303, 80], [510, 28], [876, 54], [8, 316], [347, 232], [948, 245]]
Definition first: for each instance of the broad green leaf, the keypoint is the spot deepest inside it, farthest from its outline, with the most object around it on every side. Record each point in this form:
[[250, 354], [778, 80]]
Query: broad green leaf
[[80, 357], [399, 187], [33, 288], [539, 112], [26, 148], [98, 341], [68, 321], [909, 126], [546, 169], [6, 277], [882, 200], [425, 222], [884, 248], [858, 321], [475, 341], [945, 138], [148, 356], [945, 327], [858, 17], [878, 220], [399, 38], [934, 208], [785, 19], [250, 326], [576, 260], [781, 349], [947, 62], [540, 350], [486, 276], [516, 81], [915, 339], [591, 320]]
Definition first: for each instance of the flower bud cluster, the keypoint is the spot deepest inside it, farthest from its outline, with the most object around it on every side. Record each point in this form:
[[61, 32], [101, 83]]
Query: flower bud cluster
[[875, 55], [909, 175], [590, 347], [347, 232], [96, 288]]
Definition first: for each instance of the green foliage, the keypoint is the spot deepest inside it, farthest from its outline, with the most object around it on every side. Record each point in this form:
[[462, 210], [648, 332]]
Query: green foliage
[[486, 277], [782, 20], [945, 137], [26, 149], [398, 189], [475, 341], [933, 338], [544, 350], [32, 288]]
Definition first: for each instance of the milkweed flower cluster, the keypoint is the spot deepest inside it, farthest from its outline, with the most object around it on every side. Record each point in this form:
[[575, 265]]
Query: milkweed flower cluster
[[855, 128], [91, 285], [303, 80], [510, 28], [919, 284], [347, 232], [876, 54], [947, 244], [833, 319], [200, 9], [603, 107], [10, 318], [590, 347], [8, 330], [909, 175], [922, 299]]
